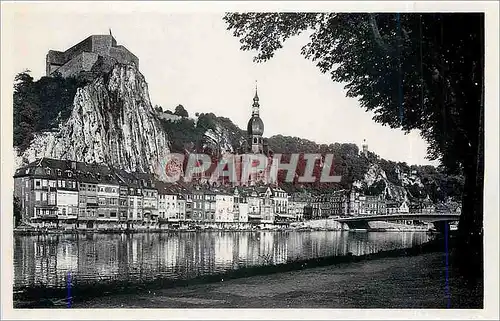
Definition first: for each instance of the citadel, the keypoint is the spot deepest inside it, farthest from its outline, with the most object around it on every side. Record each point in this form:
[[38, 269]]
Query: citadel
[[83, 57]]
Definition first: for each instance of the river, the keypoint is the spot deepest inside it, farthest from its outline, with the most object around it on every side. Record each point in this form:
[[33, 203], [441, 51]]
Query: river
[[48, 260]]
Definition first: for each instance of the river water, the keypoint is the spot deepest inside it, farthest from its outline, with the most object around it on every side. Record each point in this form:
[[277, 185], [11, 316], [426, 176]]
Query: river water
[[49, 260]]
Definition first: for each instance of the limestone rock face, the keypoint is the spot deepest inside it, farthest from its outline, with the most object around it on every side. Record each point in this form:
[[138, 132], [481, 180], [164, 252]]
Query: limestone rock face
[[376, 174], [222, 139], [112, 122]]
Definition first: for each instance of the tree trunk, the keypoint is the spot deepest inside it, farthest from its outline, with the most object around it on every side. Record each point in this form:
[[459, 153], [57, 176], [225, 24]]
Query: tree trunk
[[470, 236]]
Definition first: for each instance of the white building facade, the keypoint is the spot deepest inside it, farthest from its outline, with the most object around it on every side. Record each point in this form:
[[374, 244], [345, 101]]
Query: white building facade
[[224, 204]]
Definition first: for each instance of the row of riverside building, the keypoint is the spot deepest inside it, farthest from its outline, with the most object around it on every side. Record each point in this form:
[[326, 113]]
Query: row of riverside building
[[65, 193], [79, 195]]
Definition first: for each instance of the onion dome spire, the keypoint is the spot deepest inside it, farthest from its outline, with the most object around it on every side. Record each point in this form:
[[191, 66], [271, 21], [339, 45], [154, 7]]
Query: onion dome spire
[[256, 105], [256, 97]]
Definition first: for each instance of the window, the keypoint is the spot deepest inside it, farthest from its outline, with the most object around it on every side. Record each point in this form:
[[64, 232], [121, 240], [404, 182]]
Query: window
[[52, 183], [37, 183], [82, 199], [45, 183], [37, 211], [37, 196], [44, 197], [48, 171], [70, 174], [27, 183], [58, 172], [112, 214], [52, 199], [64, 211], [26, 196], [63, 183]]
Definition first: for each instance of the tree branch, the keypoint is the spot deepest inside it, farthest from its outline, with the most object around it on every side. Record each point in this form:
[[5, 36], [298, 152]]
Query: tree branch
[[376, 33]]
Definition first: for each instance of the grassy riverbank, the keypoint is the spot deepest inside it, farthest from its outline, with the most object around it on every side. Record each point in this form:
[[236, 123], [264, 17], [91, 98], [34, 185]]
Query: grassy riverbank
[[397, 282]]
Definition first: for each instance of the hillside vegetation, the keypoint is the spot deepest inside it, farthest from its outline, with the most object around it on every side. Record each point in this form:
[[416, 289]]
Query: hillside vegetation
[[371, 175]]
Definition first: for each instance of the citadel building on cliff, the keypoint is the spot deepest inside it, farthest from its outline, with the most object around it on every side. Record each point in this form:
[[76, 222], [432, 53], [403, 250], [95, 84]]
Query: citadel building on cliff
[[86, 54]]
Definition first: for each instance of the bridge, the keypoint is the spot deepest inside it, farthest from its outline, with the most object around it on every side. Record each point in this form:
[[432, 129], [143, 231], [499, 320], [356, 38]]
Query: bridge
[[361, 222]]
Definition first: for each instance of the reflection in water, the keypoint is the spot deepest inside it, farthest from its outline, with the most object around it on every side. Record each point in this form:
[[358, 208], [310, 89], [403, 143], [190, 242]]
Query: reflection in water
[[47, 259]]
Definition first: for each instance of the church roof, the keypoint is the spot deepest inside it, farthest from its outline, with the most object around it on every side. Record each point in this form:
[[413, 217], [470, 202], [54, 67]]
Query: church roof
[[255, 126]]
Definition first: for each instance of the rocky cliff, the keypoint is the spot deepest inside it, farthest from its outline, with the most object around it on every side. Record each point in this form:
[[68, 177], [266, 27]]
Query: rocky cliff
[[376, 175], [223, 138], [112, 121]]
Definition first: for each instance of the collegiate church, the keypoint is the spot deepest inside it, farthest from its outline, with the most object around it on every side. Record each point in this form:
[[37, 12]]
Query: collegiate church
[[256, 144]]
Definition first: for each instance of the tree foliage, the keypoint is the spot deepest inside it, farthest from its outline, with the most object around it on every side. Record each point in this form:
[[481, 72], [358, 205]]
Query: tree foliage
[[414, 71], [408, 69], [181, 111], [41, 105], [188, 132]]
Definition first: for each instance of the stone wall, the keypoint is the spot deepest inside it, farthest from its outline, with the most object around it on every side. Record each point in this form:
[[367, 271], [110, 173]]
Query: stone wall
[[51, 68], [82, 62], [85, 45], [54, 60], [102, 44], [122, 55], [88, 60], [69, 68]]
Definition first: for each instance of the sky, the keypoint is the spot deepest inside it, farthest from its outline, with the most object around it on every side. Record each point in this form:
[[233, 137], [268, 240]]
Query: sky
[[191, 59]]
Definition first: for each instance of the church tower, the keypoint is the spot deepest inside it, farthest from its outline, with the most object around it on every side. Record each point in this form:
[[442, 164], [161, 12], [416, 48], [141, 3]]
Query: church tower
[[365, 148], [255, 128]]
